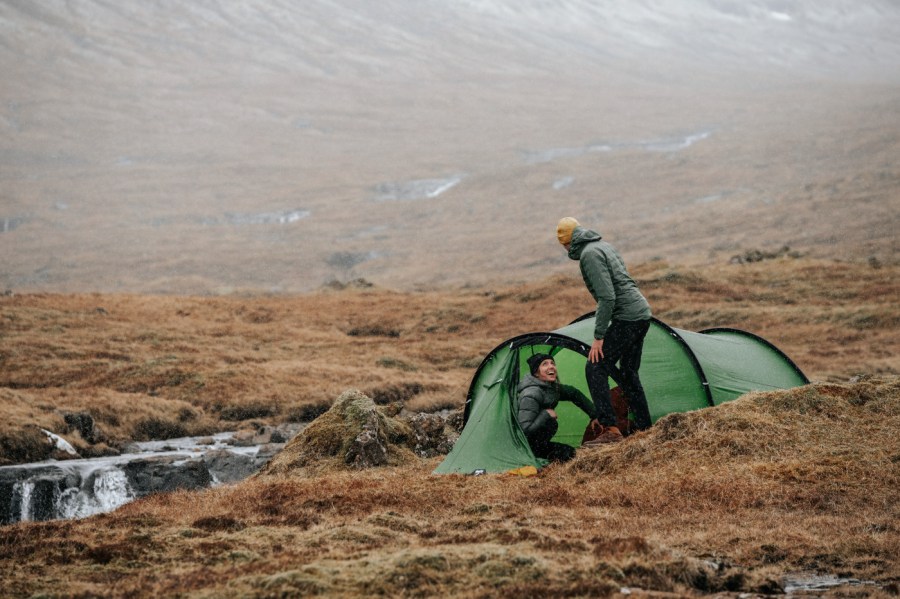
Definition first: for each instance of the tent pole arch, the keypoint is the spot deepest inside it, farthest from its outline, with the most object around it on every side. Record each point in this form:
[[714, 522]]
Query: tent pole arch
[[540, 338]]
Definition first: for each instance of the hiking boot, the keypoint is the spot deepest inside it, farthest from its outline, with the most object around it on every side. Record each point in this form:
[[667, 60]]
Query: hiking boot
[[609, 434]]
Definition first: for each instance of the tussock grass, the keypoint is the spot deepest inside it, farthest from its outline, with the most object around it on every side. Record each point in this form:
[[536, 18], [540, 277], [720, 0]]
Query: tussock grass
[[720, 501], [227, 360], [333, 440]]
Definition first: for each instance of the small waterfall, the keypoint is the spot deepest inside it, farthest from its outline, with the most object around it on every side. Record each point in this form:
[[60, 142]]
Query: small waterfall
[[32, 499], [103, 490], [23, 491], [79, 488]]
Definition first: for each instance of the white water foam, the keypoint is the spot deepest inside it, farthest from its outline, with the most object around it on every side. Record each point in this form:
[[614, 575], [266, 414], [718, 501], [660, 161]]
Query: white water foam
[[100, 483], [24, 490], [101, 491]]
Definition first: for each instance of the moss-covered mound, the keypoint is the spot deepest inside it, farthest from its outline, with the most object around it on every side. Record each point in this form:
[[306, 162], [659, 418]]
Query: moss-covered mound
[[353, 434]]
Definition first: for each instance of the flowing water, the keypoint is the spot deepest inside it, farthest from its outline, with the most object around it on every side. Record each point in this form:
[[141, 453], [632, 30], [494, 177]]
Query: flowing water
[[82, 487], [806, 583]]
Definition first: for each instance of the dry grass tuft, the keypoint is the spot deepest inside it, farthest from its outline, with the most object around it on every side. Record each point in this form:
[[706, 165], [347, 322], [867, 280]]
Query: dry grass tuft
[[820, 445]]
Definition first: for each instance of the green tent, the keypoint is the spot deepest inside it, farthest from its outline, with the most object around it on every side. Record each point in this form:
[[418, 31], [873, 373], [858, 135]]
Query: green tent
[[680, 371]]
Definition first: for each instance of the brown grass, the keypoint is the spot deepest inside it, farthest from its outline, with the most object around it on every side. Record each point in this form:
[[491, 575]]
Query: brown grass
[[185, 365], [723, 500], [726, 500]]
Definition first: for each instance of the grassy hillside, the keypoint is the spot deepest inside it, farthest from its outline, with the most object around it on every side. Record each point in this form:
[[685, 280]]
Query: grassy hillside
[[148, 366], [726, 500]]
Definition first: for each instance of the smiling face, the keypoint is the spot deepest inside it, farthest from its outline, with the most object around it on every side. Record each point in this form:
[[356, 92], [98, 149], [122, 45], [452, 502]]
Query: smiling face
[[547, 371]]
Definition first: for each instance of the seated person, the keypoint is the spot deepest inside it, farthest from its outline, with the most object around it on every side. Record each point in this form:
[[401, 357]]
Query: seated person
[[539, 393]]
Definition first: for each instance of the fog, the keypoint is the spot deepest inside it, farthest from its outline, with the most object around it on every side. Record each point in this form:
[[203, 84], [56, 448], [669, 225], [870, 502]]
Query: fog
[[220, 146]]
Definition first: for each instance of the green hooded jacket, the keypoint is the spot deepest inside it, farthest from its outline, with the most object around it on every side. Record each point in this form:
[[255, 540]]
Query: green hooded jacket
[[604, 273]]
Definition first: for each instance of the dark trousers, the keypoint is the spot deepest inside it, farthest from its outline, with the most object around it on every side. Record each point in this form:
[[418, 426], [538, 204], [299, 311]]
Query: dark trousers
[[552, 451], [622, 344]]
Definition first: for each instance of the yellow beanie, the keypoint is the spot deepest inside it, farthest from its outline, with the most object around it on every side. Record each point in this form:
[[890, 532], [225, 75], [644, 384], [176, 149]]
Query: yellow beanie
[[564, 229]]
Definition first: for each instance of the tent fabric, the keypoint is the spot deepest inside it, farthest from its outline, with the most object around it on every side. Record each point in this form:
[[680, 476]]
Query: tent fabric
[[680, 370]]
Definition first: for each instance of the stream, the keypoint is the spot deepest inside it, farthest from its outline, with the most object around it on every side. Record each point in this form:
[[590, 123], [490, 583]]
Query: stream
[[77, 488]]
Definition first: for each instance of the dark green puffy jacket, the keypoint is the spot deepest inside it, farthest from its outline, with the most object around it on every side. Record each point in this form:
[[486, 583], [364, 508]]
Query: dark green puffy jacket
[[536, 396], [604, 273]]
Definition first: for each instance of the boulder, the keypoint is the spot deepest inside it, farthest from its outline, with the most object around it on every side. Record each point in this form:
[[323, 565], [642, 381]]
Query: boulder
[[83, 423], [433, 434], [354, 433], [227, 467], [163, 474]]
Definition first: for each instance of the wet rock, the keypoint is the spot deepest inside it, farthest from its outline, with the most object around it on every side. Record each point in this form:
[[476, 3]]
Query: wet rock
[[433, 434], [369, 448], [264, 434], [280, 435], [82, 422], [228, 467], [160, 475], [265, 452], [6, 501], [43, 498]]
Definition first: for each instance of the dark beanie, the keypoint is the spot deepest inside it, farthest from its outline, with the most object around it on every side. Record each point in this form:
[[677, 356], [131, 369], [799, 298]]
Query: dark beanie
[[534, 361]]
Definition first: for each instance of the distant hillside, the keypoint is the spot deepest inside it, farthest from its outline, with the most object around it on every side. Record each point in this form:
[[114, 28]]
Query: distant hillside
[[269, 145]]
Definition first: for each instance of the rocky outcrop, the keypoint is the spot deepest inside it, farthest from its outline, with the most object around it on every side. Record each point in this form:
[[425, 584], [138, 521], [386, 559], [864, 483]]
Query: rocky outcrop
[[79, 488], [354, 433], [434, 434], [162, 474], [83, 424], [369, 447]]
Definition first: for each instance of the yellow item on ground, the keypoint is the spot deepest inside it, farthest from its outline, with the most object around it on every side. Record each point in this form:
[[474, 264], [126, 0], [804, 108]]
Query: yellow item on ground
[[524, 471]]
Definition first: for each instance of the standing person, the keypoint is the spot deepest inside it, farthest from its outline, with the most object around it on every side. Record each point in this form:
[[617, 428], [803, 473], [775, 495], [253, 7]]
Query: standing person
[[539, 393], [622, 321]]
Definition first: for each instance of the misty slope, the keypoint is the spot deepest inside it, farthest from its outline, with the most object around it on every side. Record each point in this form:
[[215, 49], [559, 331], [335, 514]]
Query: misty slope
[[217, 145], [398, 38]]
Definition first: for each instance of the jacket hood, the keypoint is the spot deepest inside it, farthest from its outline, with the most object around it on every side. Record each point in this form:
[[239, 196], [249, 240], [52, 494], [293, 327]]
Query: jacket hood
[[580, 238], [532, 381]]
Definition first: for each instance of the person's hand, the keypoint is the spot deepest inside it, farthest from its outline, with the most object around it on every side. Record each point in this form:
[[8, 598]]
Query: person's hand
[[596, 353], [552, 413]]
